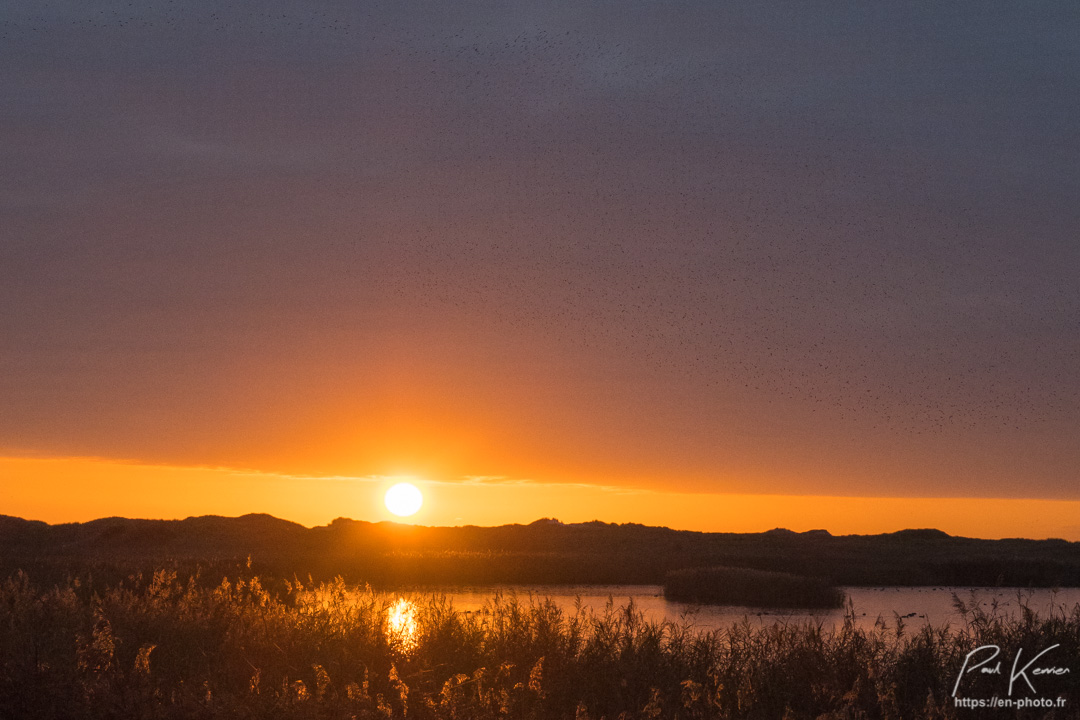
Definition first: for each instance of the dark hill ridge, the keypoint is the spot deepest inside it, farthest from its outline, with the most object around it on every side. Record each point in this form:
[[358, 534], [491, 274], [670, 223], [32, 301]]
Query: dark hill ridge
[[546, 551], [206, 536]]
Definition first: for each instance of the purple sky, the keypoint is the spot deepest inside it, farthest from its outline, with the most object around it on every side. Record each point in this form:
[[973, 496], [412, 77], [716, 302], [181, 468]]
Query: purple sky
[[750, 246]]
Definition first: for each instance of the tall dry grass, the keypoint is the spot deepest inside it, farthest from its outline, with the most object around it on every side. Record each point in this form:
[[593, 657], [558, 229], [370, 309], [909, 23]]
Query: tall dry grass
[[164, 647]]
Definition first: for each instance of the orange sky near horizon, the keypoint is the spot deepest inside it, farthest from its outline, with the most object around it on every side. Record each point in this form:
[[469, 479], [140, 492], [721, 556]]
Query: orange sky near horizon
[[719, 266], [62, 490]]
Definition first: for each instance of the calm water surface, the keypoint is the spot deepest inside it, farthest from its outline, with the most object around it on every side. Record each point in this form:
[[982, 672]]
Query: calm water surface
[[921, 605]]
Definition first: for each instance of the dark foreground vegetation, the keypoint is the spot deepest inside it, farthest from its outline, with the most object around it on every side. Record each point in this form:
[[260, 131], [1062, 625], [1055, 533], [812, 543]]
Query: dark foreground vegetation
[[163, 647], [545, 552], [755, 588]]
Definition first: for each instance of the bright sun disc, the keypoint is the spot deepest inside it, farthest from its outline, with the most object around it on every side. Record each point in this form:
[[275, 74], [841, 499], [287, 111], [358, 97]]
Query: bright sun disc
[[404, 499]]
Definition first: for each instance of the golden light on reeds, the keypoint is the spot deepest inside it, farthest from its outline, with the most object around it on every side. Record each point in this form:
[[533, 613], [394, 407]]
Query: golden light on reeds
[[401, 627]]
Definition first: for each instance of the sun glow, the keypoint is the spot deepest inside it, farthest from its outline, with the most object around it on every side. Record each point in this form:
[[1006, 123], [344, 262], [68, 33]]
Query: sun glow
[[404, 499], [401, 626]]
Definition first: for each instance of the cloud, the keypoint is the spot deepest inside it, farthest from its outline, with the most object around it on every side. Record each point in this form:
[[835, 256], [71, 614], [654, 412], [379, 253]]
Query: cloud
[[715, 243]]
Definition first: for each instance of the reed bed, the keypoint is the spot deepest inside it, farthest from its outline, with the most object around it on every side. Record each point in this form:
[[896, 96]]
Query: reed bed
[[163, 647], [755, 588]]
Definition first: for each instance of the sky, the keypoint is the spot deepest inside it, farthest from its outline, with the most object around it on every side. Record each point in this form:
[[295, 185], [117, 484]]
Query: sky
[[683, 252]]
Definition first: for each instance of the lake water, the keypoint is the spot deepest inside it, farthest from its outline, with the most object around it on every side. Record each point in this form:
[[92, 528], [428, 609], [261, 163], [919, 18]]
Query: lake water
[[921, 605]]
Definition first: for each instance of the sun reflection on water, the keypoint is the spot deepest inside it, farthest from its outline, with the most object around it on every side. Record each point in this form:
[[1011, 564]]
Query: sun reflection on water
[[401, 626]]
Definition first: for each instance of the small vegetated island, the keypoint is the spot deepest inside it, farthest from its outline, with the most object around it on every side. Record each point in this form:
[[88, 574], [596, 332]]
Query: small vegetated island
[[752, 588]]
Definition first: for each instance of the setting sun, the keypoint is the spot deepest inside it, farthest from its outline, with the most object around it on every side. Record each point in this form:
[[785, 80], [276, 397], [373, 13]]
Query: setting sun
[[404, 499]]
